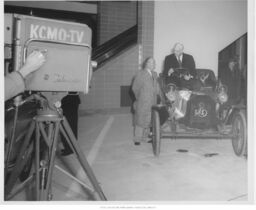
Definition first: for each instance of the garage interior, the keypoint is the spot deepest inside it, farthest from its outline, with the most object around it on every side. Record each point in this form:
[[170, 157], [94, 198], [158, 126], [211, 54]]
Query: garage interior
[[132, 173], [124, 34]]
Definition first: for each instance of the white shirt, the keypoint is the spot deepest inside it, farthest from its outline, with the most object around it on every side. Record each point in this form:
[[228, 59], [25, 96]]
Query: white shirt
[[149, 72], [181, 57]]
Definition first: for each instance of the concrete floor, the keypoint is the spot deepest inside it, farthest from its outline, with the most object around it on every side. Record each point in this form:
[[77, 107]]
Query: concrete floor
[[131, 173]]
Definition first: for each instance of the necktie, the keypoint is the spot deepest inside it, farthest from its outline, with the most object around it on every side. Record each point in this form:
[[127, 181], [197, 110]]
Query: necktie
[[179, 60], [151, 75]]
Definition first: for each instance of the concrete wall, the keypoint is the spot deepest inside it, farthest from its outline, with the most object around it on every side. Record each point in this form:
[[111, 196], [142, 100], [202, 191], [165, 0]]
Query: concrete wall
[[204, 27], [106, 82], [114, 18], [145, 30]]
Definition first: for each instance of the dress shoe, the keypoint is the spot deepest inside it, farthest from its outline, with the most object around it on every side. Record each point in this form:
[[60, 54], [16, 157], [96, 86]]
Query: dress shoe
[[137, 143], [146, 139]]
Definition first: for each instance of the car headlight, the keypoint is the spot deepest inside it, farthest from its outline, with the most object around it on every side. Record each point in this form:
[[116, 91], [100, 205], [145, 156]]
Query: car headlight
[[222, 97], [222, 94]]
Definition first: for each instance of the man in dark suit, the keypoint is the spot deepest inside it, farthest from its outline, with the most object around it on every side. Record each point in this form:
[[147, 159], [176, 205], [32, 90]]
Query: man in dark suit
[[231, 77], [178, 60]]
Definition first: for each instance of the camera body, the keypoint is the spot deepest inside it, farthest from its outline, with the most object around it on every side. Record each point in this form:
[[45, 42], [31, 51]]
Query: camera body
[[66, 45]]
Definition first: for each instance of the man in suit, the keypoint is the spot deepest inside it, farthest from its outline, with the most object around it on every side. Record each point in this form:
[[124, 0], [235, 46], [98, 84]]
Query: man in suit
[[179, 60], [231, 77]]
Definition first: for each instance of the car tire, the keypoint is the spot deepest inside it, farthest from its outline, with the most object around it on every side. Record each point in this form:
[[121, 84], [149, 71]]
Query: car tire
[[156, 135], [239, 131]]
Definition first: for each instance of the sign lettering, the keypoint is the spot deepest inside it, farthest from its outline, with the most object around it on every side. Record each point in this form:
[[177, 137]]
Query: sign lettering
[[52, 33], [42, 32], [56, 34], [201, 111]]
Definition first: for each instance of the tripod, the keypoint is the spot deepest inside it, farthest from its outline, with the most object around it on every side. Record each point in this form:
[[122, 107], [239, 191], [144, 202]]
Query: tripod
[[47, 125]]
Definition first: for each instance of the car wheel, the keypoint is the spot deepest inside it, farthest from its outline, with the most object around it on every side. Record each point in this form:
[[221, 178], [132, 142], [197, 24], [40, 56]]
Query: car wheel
[[156, 137], [239, 131]]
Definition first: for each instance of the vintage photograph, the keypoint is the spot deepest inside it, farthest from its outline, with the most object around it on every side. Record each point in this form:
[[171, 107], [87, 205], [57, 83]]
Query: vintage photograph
[[127, 101]]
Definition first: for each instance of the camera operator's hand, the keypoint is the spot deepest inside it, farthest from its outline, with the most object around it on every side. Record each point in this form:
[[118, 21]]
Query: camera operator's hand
[[34, 61], [171, 70]]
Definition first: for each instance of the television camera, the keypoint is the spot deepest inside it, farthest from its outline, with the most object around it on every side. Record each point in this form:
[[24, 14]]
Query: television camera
[[68, 68]]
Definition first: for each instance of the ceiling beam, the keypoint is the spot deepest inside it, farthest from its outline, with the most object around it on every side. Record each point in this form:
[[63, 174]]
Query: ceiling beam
[[56, 5]]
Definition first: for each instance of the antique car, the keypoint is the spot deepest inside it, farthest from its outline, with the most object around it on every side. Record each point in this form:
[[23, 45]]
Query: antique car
[[199, 109]]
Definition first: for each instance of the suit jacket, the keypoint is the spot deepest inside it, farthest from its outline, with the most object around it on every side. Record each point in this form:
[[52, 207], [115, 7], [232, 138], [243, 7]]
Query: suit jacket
[[13, 84], [146, 89], [172, 62]]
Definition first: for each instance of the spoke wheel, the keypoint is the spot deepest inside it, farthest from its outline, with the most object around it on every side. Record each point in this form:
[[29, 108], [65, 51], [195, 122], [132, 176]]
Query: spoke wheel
[[156, 138], [239, 129]]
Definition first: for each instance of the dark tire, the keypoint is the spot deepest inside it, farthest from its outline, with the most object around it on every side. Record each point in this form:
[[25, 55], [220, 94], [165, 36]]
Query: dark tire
[[156, 137], [239, 130]]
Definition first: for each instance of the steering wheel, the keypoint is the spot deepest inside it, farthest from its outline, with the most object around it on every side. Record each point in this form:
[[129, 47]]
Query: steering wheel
[[183, 73]]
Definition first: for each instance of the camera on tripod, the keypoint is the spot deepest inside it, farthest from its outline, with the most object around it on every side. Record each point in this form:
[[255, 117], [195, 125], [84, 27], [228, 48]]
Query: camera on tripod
[[68, 68]]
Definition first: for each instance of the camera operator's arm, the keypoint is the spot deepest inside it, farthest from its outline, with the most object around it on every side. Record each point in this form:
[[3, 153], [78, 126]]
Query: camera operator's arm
[[14, 82]]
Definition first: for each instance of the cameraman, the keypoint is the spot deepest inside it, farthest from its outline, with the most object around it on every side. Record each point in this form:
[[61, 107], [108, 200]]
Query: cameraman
[[14, 82]]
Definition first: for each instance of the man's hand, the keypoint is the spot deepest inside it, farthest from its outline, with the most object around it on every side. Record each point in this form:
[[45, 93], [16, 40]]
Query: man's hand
[[170, 71], [34, 61], [188, 76]]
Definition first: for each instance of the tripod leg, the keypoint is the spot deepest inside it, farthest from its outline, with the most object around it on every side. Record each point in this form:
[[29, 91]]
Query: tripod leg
[[11, 142], [45, 162], [37, 160], [51, 163], [87, 169], [50, 136], [20, 162], [41, 160]]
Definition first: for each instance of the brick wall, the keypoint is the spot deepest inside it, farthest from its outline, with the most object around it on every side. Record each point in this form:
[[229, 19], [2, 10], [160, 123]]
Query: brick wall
[[116, 17], [106, 82], [146, 29]]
